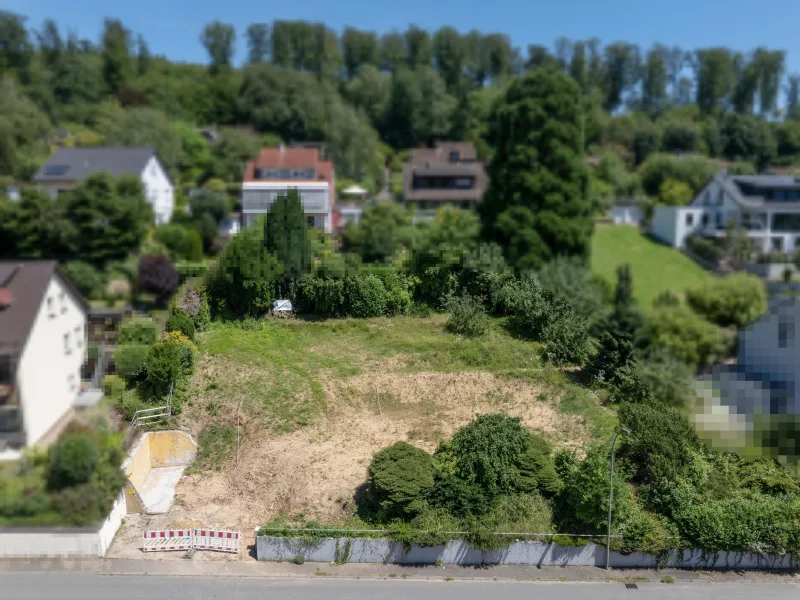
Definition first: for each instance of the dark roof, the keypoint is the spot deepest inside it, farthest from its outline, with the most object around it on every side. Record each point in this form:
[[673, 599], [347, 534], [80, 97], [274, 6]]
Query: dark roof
[[75, 164], [27, 283], [436, 162]]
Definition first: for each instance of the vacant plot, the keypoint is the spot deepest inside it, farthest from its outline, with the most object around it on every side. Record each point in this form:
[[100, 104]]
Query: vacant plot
[[656, 268], [289, 413]]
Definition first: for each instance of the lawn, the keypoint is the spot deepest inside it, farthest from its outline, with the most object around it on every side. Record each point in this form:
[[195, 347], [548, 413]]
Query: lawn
[[288, 413], [655, 267]]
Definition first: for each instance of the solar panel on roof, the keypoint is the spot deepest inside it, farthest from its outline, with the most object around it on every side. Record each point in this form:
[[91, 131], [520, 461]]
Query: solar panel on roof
[[56, 169]]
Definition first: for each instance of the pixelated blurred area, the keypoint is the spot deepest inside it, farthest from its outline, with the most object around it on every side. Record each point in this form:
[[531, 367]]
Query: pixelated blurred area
[[753, 407]]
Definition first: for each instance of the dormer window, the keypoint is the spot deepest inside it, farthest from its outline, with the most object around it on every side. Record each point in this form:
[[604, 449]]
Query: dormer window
[[454, 156]]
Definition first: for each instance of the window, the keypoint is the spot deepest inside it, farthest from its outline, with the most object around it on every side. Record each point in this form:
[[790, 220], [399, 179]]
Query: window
[[704, 219], [51, 310], [62, 300], [71, 382], [689, 219], [720, 197], [454, 156], [310, 221], [785, 332], [786, 222], [720, 219], [67, 345], [464, 182], [777, 244], [78, 336]]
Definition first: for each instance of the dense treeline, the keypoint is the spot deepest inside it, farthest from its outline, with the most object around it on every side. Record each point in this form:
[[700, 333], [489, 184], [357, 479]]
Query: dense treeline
[[305, 81]]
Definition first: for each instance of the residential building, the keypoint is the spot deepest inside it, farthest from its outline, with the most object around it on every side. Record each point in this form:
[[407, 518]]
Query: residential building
[[68, 166], [42, 350], [626, 211], [277, 170], [448, 174], [766, 206]]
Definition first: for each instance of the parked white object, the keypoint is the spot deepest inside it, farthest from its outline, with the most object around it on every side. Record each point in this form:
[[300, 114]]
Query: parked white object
[[282, 306]]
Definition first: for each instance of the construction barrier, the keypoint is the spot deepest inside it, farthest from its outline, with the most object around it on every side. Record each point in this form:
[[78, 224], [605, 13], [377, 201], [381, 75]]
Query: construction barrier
[[220, 541], [167, 540]]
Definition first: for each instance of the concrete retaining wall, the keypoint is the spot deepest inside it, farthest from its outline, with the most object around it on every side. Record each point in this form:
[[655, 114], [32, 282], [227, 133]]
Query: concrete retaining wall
[[518, 553], [67, 543]]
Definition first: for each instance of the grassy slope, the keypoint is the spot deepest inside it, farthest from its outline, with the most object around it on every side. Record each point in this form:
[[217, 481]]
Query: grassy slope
[[655, 267], [277, 368]]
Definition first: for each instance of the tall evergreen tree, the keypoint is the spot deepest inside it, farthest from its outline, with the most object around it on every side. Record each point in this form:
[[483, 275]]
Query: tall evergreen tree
[[537, 205], [286, 235], [625, 319], [116, 48]]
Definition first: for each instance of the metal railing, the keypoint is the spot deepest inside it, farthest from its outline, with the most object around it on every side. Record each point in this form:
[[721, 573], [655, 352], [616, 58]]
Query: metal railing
[[147, 416]]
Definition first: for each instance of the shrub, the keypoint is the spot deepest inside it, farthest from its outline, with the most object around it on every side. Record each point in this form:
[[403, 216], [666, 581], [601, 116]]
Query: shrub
[[675, 193], [128, 358], [686, 335], [209, 202], [364, 296], [323, 297], [399, 478], [175, 238], [705, 248], [537, 470], [180, 321], [138, 330], [129, 402], [586, 488], [157, 276], [489, 452], [566, 334], [71, 461], [186, 349], [467, 316], [660, 441], [459, 498], [163, 366], [86, 278], [195, 304], [399, 292], [570, 280], [736, 300], [644, 532], [666, 298], [658, 168], [113, 385], [668, 379]]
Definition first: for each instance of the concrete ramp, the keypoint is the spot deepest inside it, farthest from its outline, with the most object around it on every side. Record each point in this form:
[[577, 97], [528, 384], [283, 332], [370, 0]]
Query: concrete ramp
[[153, 468]]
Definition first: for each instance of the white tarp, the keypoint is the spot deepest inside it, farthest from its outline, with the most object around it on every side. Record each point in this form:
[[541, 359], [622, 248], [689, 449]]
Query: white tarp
[[282, 305]]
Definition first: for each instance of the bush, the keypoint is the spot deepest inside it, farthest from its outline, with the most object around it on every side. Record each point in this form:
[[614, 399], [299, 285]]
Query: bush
[[195, 304], [695, 171], [705, 248], [675, 193], [157, 276], [323, 297], [86, 278], [209, 202], [113, 385], [187, 351], [129, 402], [176, 239], [644, 532], [489, 452], [736, 300], [660, 441], [669, 380], [128, 358], [566, 334], [537, 471], [71, 461], [459, 498], [687, 336], [399, 292], [163, 366], [570, 280], [365, 296], [180, 321], [138, 331], [399, 478], [467, 316]]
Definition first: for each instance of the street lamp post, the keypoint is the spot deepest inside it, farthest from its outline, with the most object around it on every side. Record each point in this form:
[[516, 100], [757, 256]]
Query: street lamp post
[[611, 496]]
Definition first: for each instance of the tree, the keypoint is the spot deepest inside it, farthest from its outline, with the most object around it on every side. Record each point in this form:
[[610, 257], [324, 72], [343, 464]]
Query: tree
[[448, 52], [36, 227], [771, 67], [16, 49], [383, 231], [359, 49], [736, 300], [675, 193], [392, 51], [744, 137], [537, 205], [432, 118], [211, 203], [625, 318], [499, 56], [143, 58], [419, 47], [399, 479], [116, 49], [621, 72], [654, 83], [327, 56], [231, 152], [157, 276], [681, 136], [715, 74], [675, 59], [570, 280], [686, 335], [614, 354], [145, 127], [72, 461], [286, 235], [219, 40], [744, 92], [793, 96], [51, 44], [258, 42], [369, 91]]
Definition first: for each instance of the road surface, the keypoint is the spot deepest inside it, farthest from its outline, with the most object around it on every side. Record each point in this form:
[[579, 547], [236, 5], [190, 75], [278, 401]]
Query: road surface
[[91, 586]]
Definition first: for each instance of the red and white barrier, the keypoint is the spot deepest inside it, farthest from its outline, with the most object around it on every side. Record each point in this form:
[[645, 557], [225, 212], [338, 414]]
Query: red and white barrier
[[220, 541], [167, 540]]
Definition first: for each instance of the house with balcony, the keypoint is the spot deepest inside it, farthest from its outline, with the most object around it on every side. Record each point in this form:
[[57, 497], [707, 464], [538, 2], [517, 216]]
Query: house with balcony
[[277, 170], [766, 206], [448, 174], [68, 166], [42, 352]]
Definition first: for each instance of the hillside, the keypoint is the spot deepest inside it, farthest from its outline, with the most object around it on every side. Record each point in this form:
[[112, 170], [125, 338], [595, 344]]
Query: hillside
[[656, 268]]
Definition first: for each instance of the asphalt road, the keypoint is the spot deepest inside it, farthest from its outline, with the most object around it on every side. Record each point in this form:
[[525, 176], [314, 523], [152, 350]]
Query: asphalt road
[[91, 586]]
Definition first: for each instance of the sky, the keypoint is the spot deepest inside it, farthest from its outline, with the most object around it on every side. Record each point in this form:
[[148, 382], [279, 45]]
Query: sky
[[172, 27]]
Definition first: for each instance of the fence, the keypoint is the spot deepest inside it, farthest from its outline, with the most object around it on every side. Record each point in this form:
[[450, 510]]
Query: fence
[[146, 416], [170, 540]]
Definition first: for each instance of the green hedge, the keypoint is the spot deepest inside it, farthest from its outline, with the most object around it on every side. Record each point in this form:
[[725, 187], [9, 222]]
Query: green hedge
[[355, 296]]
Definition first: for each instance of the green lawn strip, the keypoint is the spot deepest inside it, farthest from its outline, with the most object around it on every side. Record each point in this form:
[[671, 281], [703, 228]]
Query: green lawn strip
[[655, 267]]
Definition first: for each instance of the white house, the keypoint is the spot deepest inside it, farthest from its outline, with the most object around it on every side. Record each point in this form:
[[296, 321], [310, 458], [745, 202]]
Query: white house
[[68, 166], [767, 206], [277, 170], [42, 350]]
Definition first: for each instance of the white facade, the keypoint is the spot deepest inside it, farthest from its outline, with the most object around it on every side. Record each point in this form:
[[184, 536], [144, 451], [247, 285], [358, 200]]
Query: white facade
[[713, 209], [48, 374], [626, 214], [315, 196], [159, 191]]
